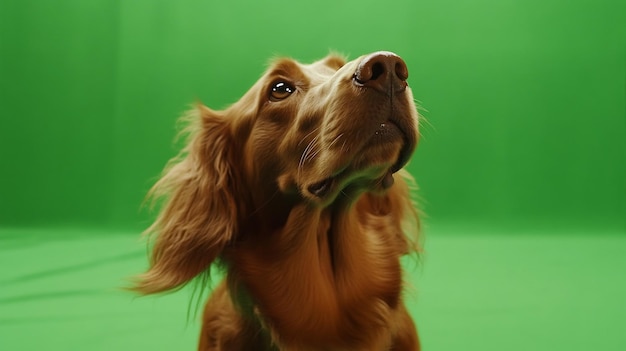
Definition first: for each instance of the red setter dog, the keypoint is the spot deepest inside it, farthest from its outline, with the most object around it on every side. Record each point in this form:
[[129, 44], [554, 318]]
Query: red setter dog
[[297, 191]]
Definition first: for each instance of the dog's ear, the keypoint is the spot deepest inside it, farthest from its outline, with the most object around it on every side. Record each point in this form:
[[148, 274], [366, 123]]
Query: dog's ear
[[199, 215]]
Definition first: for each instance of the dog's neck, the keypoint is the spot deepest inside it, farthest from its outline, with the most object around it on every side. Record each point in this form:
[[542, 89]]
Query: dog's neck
[[344, 260]]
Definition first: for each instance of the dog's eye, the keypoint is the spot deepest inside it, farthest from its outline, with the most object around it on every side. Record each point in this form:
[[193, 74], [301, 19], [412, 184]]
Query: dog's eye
[[281, 91]]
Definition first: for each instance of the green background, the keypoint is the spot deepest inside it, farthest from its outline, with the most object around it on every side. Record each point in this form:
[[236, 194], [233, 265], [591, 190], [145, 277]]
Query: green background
[[522, 163]]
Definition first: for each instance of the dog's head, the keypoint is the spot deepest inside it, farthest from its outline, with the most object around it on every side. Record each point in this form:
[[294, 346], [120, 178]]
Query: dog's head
[[326, 128], [311, 133]]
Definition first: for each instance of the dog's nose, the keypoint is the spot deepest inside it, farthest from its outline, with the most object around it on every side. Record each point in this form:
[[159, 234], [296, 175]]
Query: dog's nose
[[383, 71]]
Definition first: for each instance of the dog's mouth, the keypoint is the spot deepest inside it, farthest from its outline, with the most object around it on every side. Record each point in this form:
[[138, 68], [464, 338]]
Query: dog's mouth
[[407, 146], [377, 176], [323, 188]]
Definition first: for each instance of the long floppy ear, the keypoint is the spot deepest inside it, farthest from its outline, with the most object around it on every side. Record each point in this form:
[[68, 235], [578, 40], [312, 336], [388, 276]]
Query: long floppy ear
[[199, 216]]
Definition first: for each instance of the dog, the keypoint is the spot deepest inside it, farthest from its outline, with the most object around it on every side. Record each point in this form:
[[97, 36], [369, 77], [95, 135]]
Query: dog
[[298, 192]]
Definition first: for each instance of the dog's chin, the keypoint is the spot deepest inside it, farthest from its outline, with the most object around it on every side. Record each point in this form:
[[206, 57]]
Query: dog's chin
[[339, 175], [326, 190], [371, 170]]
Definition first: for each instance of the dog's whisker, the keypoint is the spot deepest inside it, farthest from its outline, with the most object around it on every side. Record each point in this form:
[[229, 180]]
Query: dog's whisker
[[305, 153], [314, 150], [310, 145], [343, 146], [313, 154], [308, 135], [309, 149], [336, 140], [305, 157]]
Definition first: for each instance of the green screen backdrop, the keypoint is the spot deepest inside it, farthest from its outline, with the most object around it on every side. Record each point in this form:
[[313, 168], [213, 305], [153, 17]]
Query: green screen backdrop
[[522, 161], [524, 100]]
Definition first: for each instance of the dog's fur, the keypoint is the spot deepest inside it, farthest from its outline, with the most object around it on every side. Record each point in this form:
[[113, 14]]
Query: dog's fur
[[292, 190]]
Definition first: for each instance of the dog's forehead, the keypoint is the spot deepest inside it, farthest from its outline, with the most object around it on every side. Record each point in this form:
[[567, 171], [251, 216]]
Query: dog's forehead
[[312, 72]]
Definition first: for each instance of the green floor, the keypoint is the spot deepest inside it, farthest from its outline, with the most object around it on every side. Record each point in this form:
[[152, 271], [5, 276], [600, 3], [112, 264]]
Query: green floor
[[490, 290]]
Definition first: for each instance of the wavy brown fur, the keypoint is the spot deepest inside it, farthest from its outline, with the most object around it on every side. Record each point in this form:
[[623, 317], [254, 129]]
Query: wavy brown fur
[[305, 270]]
